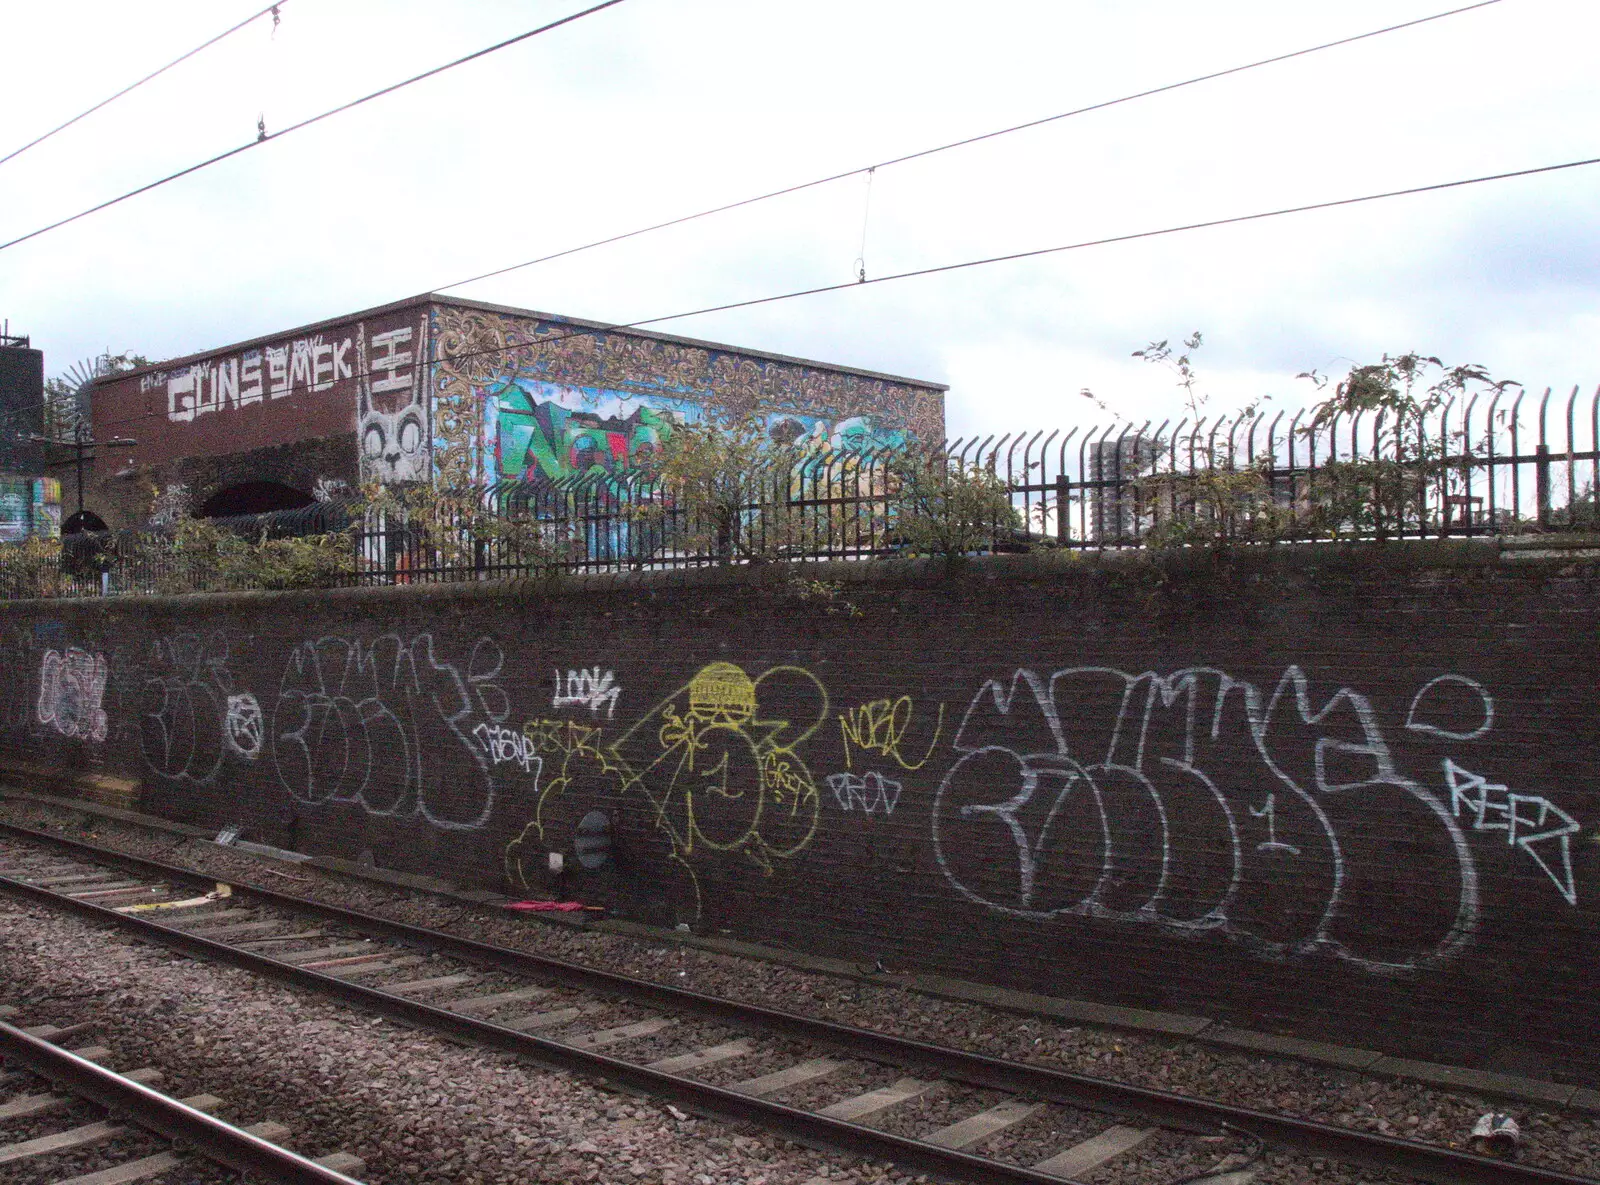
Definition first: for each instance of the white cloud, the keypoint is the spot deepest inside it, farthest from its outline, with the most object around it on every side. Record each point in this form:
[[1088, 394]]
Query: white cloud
[[651, 110]]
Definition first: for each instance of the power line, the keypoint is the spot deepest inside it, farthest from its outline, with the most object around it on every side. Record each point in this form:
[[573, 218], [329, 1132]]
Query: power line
[[1006, 131], [1109, 240], [1127, 238], [271, 8], [268, 137]]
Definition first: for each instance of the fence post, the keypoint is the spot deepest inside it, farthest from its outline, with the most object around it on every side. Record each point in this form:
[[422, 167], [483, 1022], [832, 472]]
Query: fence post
[[1541, 475], [1063, 513]]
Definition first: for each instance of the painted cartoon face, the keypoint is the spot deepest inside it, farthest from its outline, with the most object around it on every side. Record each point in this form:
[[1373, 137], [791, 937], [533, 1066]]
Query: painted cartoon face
[[391, 445], [391, 406]]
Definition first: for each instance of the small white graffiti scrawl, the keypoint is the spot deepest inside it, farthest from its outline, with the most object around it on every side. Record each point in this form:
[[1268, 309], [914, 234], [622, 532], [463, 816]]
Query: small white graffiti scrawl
[[870, 792], [588, 689], [243, 727]]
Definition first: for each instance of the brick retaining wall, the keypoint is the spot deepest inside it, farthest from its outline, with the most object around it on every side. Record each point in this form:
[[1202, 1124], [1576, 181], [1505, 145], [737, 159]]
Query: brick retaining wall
[[1344, 792]]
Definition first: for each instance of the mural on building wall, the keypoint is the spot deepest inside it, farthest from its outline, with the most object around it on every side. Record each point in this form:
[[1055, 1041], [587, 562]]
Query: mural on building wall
[[542, 432], [29, 506], [518, 398], [393, 431], [366, 378]]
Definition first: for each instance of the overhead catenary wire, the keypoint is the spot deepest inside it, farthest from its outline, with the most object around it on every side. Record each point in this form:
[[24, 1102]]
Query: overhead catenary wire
[[869, 170], [269, 137], [271, 9], [938, 269]]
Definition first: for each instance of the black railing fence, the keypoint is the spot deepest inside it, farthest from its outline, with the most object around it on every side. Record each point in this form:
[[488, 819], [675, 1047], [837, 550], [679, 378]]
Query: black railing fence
[[1501, 463]]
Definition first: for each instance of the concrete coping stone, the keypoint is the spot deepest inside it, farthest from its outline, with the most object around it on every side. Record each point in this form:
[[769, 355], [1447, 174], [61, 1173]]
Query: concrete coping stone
[[405, 880], [85, 807], [1197, 1028], [1344, 1056], [891, 572], [1110, 1015], [1531, 554], [1531, 1090]]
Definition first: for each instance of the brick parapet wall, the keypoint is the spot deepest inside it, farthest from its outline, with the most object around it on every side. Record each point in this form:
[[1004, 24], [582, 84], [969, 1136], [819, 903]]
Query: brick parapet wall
[[1343, 791]]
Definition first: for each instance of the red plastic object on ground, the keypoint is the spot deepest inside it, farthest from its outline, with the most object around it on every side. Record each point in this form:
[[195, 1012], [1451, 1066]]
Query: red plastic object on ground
[[549, 906]]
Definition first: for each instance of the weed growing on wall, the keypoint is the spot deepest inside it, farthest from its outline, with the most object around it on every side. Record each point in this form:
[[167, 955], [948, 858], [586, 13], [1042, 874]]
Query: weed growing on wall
[[1390, 480], [1389, 490], [828, 595], [943, 507]]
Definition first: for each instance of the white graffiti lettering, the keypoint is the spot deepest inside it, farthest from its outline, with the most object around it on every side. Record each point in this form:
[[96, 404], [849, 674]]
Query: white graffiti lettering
[[870, 792], [1453, 707], [504, 745], [1271, 842], [381, 725], [223, 384], [588, 689], [72, 687], [183, 721], [1527, 820], [1084, 778]]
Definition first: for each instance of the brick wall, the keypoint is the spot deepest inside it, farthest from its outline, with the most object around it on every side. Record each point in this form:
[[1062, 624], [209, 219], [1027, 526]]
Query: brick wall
[[1344, 792]]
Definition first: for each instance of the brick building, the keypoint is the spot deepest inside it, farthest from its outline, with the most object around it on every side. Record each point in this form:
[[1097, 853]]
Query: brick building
[[30, 501], [438, 388]]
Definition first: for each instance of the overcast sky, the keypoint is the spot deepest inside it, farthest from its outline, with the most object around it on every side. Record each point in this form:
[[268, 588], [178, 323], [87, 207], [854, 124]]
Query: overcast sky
[[656, 108]]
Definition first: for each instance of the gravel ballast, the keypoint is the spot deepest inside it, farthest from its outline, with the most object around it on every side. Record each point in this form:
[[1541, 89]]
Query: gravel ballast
[[420, 1110], [1555, 1138]]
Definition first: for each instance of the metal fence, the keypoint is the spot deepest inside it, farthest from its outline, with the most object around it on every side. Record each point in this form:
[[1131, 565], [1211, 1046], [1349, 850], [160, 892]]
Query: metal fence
[[1502, 463]]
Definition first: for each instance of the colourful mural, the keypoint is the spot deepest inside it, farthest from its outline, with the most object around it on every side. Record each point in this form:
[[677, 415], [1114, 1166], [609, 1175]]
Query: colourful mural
[[29, 506], [522, 398], [545, 432]]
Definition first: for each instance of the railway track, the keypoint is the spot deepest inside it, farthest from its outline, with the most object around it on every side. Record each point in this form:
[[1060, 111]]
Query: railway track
[[819, 1082], [45, 1088]]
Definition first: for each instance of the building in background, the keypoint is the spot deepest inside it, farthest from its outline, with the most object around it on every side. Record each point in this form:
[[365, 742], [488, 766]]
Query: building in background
[[1114, 467], [30, 502], [456, 391]]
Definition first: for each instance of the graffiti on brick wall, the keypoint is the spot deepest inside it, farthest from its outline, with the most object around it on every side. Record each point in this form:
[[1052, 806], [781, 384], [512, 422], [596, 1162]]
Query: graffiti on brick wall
[[870, 793], [573, 765], [389, 725], [243, 727], [1451, 707], [1200, 802], [587, 689], [730, 777], [312, 364], [191, 715], [507, 746], [393, 430], [881, 727], [1530, 821], [72, 688], [719, 763], [171, 504]]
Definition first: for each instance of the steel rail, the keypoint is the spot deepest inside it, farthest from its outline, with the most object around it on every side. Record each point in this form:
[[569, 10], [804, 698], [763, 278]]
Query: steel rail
[[803, 1126], [1303, 1137], [164, 1115]]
